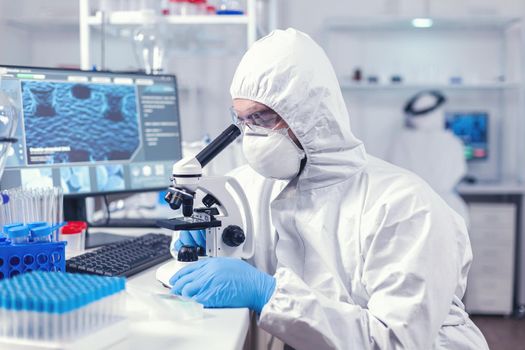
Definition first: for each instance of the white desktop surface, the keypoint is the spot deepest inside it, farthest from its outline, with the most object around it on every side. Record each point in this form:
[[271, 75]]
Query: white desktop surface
[[218, 329]]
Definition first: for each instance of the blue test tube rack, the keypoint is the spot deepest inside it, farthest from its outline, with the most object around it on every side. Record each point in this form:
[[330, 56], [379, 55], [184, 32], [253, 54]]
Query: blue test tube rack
[[16, 259]]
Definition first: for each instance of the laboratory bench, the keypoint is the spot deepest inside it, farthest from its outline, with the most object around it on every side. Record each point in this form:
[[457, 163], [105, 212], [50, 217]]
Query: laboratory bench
[[217, 329]]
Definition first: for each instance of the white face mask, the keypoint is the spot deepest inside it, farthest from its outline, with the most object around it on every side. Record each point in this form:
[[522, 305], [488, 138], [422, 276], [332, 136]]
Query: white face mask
[[272, 153]]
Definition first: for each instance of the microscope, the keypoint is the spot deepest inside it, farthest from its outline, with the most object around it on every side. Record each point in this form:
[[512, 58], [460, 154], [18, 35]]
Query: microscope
[[225, 215]]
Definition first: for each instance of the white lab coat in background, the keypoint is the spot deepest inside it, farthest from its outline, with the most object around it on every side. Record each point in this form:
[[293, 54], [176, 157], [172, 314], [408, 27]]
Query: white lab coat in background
[[367, 255], [436, 155]]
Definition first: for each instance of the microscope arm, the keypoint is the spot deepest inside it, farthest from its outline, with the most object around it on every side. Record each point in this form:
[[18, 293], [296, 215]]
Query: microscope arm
[[187, 172], [234, 211]]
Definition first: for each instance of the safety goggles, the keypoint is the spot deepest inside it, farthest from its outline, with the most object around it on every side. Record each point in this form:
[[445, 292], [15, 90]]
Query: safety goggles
[[267, 119]]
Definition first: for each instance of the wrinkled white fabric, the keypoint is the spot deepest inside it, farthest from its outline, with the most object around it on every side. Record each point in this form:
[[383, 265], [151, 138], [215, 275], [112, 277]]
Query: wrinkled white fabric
[[368, 255], [437, 156]]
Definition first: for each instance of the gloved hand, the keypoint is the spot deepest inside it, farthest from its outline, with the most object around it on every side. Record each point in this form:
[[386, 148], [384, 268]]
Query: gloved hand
[[190, 238], [224, 282]]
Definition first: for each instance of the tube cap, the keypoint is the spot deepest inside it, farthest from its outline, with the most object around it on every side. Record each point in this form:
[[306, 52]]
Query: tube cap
[[81, 224], [18, 231], [73, 227], [71, 230], [41, 231], [36, 224], [7, 227]]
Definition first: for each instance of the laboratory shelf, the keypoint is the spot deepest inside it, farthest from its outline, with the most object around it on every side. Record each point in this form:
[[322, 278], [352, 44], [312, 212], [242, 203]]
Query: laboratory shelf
[[406, 86], [91, 20], [142, 17], [405, 23]]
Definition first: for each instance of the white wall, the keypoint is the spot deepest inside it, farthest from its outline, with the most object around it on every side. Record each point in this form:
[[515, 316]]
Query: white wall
[[308, 15], [10, 38]]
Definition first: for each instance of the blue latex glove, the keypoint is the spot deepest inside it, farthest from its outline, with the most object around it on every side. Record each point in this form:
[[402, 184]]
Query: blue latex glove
[[224, 282], [191, 238]]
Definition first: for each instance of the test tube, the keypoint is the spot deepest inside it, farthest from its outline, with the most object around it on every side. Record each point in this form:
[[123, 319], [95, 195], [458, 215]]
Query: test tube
[[12, 208], [31, 205], [45, 206], [53, 207], [50, 205], [3, 205], [60, 210], [17, 208], [25, 207], [20, 206]]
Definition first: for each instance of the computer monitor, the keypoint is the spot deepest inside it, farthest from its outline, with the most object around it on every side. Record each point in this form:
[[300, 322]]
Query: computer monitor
[[472, 129], [93, 132]]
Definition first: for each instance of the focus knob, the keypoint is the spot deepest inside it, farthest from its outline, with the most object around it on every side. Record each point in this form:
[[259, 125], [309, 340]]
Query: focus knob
[[233, 236], [187, 254]]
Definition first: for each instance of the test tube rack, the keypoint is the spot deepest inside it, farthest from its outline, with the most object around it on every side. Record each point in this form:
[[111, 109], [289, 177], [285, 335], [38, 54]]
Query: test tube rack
[[16, 259]]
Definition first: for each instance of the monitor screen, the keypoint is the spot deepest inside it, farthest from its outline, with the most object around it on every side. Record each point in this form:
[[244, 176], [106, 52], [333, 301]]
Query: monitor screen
[[472, 129], [93, 132]]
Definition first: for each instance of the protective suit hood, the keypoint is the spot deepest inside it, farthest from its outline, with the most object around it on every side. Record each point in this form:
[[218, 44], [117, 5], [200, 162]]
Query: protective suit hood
[[288, 72]]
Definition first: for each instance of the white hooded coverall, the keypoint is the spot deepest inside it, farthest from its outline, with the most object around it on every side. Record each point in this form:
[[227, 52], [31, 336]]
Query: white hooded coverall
[[368, 255], [433, 153]]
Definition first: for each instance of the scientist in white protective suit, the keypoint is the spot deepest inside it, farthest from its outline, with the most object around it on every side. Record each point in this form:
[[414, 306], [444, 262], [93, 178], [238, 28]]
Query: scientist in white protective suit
[[425, 147], [366, 254]]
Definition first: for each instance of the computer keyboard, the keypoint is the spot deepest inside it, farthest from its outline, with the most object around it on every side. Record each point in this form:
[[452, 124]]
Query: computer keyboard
[[125, 258]]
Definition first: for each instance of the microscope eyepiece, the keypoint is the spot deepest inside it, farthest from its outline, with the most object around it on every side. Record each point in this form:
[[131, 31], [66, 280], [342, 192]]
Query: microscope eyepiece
[[218, 144]]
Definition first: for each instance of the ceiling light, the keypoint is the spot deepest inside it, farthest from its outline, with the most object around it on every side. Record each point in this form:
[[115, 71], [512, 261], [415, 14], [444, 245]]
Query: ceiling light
[[422, 22]]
